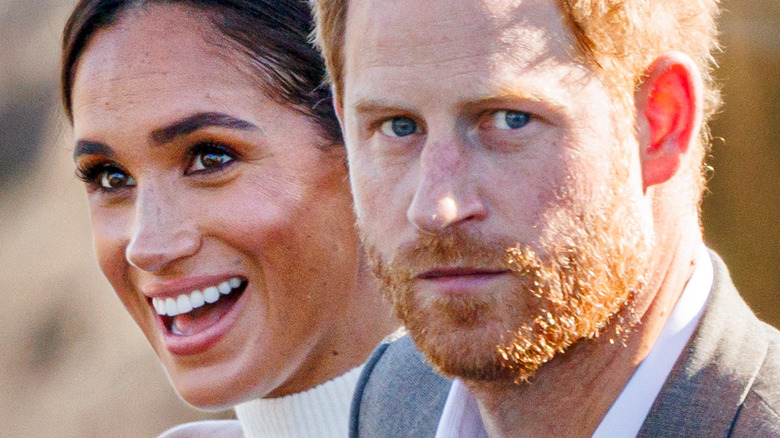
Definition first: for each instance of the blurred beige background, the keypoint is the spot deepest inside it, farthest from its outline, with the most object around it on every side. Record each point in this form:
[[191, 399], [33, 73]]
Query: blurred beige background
[[73, 364]]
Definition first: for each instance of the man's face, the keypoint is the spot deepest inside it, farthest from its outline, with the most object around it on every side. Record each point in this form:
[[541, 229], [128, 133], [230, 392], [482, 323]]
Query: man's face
[[497, 192]]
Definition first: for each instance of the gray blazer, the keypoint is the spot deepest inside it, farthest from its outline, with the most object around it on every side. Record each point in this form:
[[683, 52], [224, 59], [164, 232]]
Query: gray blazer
[[726, 382]]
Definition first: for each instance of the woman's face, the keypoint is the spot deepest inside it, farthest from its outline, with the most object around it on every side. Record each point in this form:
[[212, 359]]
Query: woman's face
[[213, 206]]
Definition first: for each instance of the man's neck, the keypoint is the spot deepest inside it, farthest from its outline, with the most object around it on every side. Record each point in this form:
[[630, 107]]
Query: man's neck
[[580, 386]]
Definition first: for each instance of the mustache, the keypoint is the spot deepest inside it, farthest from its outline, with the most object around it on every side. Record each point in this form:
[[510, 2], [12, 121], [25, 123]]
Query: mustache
[[454, 247]]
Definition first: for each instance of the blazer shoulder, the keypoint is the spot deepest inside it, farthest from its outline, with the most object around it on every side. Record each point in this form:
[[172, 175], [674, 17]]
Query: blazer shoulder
[[759, 414], [398, 393], [725, 382]]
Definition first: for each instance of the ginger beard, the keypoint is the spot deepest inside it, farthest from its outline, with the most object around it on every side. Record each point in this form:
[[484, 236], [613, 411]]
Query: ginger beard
[[575, 283]]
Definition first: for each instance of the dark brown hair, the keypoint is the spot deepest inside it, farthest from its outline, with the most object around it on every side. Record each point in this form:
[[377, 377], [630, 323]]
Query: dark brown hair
[[272, 35]]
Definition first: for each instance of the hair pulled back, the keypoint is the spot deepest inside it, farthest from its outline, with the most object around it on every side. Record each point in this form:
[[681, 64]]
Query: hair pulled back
[[271, 35]]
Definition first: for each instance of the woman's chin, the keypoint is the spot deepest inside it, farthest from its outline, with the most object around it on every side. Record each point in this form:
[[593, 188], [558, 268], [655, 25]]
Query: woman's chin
[[210, 398], [218, 386]]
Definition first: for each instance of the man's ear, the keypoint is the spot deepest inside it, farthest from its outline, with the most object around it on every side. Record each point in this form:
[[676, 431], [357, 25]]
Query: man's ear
[[669, 113]]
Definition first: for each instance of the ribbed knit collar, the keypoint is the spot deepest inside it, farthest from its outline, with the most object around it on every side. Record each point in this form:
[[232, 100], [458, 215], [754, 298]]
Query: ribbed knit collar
[[319, 412]]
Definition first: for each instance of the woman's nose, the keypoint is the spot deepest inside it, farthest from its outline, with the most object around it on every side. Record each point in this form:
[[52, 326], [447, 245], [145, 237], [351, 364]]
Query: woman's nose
[[162, 231]]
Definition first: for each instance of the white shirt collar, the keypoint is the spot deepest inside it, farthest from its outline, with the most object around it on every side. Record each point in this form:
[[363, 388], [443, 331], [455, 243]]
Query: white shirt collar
[[461, 418]]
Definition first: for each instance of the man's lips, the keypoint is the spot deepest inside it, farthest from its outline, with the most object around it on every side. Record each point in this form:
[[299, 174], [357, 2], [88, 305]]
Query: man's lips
[[465, 273], [460, 281]]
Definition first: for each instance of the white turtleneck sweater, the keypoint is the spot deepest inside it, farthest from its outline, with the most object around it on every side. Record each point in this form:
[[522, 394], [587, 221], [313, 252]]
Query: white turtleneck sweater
[[319, 412]]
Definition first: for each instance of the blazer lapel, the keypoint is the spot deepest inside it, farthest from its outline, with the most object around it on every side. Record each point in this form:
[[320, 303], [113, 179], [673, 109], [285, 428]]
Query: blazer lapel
[[708, 384]]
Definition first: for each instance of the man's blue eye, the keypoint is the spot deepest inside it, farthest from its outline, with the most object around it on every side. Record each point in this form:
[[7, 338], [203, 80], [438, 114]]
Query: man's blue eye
[[399, 127], [510, 119]]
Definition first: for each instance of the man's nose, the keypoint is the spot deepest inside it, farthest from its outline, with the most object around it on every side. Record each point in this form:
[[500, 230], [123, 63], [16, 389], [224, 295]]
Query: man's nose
[[162, 233], [446, 191]]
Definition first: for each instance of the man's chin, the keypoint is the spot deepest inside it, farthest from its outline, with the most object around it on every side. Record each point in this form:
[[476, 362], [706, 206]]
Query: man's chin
[[480, 340], [462, 343], [461, 354]]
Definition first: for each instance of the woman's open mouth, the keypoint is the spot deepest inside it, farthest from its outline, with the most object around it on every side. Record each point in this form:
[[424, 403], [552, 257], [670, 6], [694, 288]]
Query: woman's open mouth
[[192, 313]]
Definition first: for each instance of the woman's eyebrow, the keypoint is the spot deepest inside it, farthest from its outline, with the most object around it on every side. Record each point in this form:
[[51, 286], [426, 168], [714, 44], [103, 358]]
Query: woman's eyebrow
[[86, 147], [198, 121]]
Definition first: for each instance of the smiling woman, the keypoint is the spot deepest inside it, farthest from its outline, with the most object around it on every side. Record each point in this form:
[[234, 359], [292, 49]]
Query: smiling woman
[[220, 205]]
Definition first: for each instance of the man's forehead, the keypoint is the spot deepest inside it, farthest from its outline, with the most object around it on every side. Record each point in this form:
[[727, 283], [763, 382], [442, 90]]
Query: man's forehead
[[397, 33], [464, 48]]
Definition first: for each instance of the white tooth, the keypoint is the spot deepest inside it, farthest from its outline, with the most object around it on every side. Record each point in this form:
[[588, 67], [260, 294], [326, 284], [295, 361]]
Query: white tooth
[[183, 303], [235, 282], [224, 288], [211, 294], [170, 307], [159, 306], [196, 299]]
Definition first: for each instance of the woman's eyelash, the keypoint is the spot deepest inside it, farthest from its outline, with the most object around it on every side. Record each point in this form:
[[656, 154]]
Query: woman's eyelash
[[88, 173], [199, 152], [211, 146], [96, 176]]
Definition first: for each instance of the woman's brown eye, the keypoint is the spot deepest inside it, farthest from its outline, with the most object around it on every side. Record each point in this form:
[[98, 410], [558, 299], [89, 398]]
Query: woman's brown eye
[[212, 160], [209, 158], [112, 179]]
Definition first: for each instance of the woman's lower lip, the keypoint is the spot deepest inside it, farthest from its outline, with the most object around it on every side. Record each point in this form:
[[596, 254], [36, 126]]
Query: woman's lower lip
[[186, 345], [460, 284]]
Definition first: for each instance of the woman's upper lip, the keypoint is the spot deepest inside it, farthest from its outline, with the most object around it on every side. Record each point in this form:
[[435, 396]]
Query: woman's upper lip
[[175, 287], [458, 272]]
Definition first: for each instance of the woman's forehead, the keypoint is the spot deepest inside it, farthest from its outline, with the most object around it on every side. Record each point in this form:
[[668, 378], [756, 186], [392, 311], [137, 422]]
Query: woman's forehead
[[131, 64]]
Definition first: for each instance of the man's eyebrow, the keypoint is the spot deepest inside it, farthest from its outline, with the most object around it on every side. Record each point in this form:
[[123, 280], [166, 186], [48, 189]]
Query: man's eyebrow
[[192, 123], [86, 147], [381, 106], [511, 95], [370, 106]]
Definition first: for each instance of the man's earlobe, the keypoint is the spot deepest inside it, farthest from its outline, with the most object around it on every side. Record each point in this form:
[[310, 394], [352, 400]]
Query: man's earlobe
[[669, 114]]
